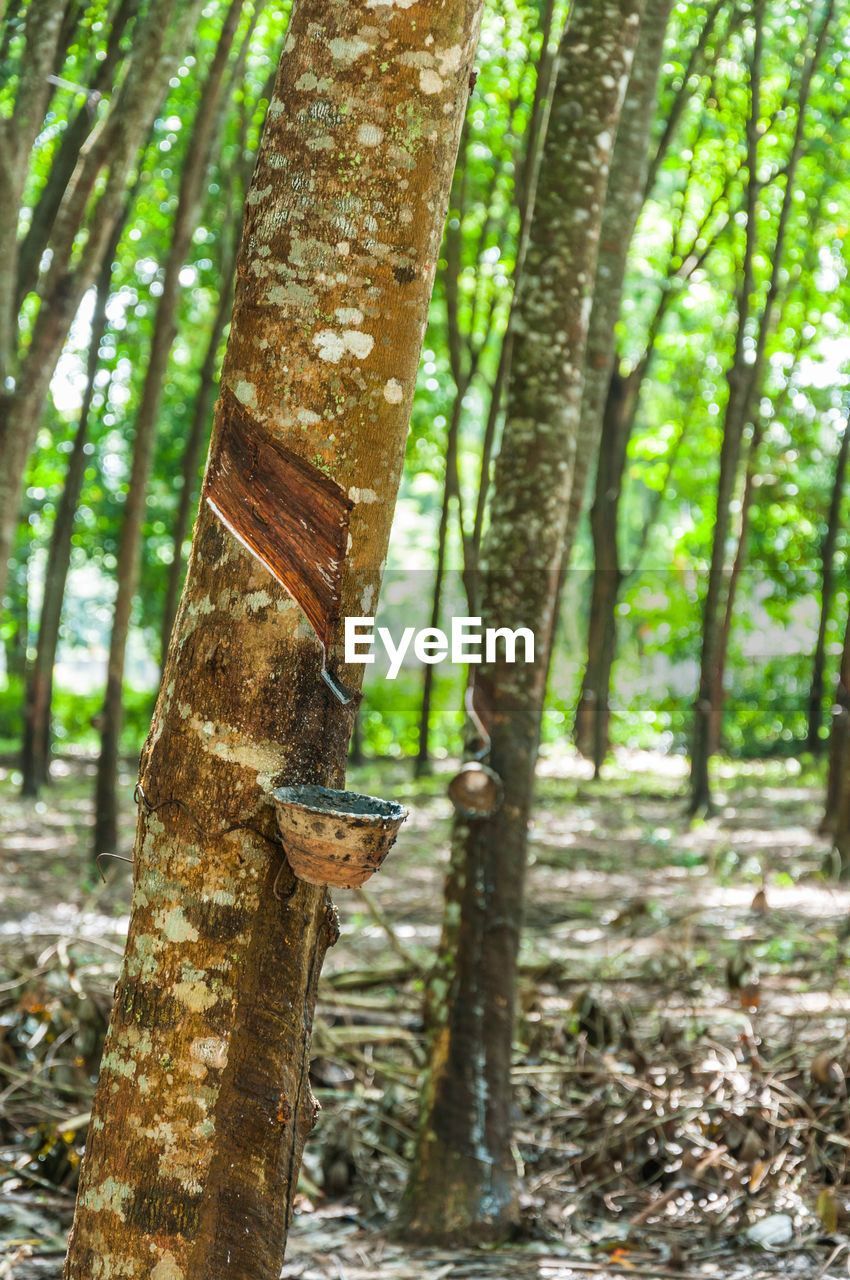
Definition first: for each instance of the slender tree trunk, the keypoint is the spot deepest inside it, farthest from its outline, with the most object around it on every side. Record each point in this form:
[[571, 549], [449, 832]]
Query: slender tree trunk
[[701, 750], [64, 162], [605, 401], [839, 741], [423, 753], [695, 64], [836, 819], [814, 741], [744, 377], [17, 609], [623, 204], [593, 715], [165, 328], [236, 183], [201, 410], [740, 386], [718, 691], [158, 43], [526, 188], [461, 1185], [356, 755], [42, 34], [203, 1104], [35, 753]]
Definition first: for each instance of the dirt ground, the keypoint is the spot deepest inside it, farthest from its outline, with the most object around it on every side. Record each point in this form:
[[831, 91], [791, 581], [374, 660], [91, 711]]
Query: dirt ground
[[681, 1106]]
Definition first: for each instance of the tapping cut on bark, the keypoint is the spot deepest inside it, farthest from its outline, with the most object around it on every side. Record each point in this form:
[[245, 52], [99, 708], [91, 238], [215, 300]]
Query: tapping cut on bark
[[286, 512]]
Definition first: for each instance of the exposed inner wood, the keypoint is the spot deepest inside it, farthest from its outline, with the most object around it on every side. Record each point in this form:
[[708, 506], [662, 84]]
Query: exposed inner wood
[[288, 514]]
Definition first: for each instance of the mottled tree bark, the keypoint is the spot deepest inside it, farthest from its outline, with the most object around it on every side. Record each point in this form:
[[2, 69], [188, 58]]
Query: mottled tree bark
[[203, 1103], [814, 741], [164, 330], [461, 1186], [159, 41]]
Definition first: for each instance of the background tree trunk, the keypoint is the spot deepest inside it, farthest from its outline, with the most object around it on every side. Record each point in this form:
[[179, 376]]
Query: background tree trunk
[[35, 753], [814, 741], [839, 743], [461, 1185], [157, 44], [164, 331], [450, 491], [201, 411], [42, 37], [236, 182], [592, 714], [744, 380], [623, 203], [67, 155], [740, 559], [203, 1103]]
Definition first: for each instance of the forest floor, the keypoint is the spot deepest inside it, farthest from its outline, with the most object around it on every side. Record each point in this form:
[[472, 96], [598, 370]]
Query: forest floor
[[681, 1108]]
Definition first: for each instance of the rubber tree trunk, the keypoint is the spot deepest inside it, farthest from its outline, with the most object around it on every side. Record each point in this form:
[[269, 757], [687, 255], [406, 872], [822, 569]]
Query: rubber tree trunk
[[423, 755], [524, 197], [35, 753], [158, 42], [197, 439], [608, 398], [164, 330], [701, 748], [593, 714], [356, 754], [16, 605], [623, 204], [461, 1185], [836, 817], [740, 559], [203, 1103], [42, 37], [814, 741], [190, 464], [64, 162], [471, 543], [744, 379]]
